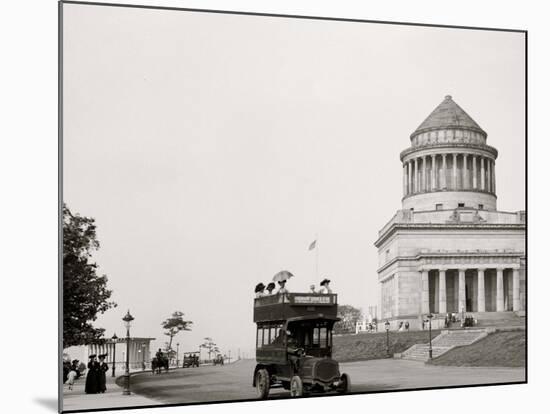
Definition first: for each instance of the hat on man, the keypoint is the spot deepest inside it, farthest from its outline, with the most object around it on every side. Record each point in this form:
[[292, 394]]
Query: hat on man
[[270, 285], [102, 356], [324, 282], [92, 356], [259, 287]]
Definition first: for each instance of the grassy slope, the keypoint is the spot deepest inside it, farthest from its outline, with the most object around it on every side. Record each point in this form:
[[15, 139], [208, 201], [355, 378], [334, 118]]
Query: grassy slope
[[373, 345], [500, 349]]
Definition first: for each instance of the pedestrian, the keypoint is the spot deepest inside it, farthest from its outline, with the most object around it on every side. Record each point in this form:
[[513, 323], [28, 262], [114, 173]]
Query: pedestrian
[[312, 289], [75, 366], [407, 326], [259, 290], [325, 289], [66, 370], [92, 376], [270, 287], [103, 368], [71, 377]]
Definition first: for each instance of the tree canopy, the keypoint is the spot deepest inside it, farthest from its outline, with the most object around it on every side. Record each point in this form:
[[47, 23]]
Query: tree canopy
[[210, 346], [174, 324], [85, 293], [349, 316]]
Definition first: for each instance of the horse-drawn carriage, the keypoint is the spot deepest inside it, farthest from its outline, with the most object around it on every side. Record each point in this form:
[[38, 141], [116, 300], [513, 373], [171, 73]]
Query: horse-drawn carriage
[[159, 362], [294, 344], [218, 360]]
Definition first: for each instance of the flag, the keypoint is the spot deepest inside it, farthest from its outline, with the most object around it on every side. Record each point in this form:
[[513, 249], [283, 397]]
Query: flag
[[312, 245]]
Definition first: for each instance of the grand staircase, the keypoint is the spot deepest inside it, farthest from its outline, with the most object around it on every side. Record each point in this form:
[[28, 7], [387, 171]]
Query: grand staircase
[[444, 342]]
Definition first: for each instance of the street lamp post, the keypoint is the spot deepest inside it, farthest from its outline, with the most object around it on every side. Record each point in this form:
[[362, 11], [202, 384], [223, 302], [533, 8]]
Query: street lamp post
[[430, 316], [128, 323], [177, 355], [387, 325], [114, 338]]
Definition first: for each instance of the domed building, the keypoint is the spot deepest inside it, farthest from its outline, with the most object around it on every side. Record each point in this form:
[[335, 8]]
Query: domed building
[[449, 250]]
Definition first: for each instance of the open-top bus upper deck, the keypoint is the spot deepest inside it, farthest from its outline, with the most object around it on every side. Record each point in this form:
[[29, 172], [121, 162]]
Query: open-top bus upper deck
[[281, 307]]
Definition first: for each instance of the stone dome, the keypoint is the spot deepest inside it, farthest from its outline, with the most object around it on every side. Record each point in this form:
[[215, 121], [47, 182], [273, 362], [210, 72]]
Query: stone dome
[[448, 116]]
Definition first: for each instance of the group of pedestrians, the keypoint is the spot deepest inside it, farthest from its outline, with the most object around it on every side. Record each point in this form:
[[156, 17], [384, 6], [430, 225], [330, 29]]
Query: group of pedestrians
[[96, 379]]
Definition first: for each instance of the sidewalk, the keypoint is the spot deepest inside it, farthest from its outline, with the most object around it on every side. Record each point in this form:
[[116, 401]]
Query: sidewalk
[[77, 399]]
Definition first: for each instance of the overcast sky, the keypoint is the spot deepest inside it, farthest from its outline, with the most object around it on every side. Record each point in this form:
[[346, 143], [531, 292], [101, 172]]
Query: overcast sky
[[211, 149]]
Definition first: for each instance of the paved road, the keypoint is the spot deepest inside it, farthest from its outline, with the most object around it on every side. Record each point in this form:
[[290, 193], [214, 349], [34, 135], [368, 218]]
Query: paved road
[[230, 382]]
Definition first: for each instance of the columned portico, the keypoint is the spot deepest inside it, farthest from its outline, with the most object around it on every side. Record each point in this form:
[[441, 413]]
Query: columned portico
[[463, 289]]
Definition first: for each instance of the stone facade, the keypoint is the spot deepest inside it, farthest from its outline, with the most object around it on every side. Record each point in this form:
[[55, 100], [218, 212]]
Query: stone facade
[[449, 250]]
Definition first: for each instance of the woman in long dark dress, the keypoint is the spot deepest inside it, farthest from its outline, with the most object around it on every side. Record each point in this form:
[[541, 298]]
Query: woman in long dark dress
[[92, 376], [103, 368]]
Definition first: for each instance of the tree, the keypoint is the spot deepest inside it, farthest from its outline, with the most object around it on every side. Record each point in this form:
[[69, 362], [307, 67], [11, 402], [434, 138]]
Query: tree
[[85, 293], [349, 317], [173, 325], [210, 346]]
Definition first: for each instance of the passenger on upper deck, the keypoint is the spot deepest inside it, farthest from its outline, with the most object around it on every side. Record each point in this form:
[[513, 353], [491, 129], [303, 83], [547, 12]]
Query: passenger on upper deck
[[282, 290], [270, 288], [259, 290], [312, 289], [325, 287]]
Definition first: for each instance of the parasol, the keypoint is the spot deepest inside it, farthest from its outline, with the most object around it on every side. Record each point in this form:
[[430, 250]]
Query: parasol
[[282, 275]]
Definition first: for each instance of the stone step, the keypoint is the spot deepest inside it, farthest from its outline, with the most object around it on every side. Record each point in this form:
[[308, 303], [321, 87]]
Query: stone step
[[443, 343]]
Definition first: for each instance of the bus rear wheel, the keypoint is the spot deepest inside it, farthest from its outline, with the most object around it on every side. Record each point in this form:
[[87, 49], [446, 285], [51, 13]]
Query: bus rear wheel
[[262, 384]]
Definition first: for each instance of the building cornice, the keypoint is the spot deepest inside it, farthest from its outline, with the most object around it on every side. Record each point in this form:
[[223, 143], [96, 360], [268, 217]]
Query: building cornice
[[448, 190], [446, 226], [453, 145], [433, 256]]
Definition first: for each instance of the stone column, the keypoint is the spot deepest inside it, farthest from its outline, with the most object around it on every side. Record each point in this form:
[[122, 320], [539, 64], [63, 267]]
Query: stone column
[[442, 292], [464, 171], [415, 175], [409, 177], [424, 178], [461, 290], [455, 179], [404, 179], [481, 290], [500, 290], [432, 185], [474, 172], [489, 180], [444, 171], [425, 307], [516, 301], [493, 177], [482, 173]]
